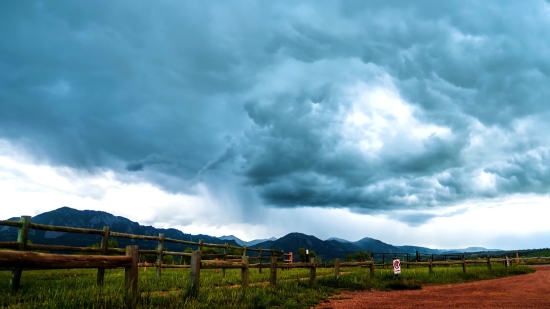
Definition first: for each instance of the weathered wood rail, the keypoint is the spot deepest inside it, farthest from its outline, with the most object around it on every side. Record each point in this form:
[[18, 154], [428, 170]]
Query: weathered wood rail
[[33, 260]]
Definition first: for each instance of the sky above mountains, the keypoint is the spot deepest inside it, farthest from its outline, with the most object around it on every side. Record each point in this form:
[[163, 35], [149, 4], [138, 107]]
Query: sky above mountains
[[418, 122]]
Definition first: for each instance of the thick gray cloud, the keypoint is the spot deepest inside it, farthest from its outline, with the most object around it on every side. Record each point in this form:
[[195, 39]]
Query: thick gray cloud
[[369, 105]]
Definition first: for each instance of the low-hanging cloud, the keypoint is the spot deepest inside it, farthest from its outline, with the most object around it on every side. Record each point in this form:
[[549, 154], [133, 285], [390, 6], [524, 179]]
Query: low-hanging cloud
[[359, 104]]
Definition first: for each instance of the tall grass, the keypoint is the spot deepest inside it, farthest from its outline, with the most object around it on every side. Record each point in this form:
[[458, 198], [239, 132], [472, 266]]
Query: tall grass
[[77, 288]]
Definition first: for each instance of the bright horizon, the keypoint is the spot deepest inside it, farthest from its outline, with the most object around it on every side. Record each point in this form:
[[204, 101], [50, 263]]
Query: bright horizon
[[418, 124]]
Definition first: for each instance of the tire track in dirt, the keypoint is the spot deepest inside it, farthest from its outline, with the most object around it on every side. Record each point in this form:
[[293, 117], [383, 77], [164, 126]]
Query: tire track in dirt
[[522, 291]]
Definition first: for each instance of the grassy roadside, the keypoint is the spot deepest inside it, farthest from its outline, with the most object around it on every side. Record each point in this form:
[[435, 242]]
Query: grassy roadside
[[415, 278], [77, 289]]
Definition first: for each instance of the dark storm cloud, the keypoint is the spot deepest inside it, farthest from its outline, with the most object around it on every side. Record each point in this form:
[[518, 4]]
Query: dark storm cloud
[[274, 97]]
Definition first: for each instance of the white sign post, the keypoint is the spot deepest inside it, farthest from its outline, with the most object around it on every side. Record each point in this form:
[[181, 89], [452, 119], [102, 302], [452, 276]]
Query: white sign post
[[396, 267]]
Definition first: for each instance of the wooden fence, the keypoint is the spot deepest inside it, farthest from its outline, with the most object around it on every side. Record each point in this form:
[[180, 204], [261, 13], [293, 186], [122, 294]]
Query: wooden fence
[[22, 259], [197, 264], [17, 261]]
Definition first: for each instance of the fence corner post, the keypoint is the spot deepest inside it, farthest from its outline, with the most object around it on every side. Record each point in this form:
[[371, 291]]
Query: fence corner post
[[337, 268], [195, 273], [159, 255], [245, 271], [371, 268], [104, 248], [312, 272], [273, 274], [22, 238], [131, 272], [260, 258], [225, 251]]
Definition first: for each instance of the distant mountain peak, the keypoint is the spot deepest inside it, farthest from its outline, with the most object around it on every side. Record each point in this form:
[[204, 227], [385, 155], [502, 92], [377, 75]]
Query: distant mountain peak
[[245, 243], [339, 240], [228, 236], [234, 238]]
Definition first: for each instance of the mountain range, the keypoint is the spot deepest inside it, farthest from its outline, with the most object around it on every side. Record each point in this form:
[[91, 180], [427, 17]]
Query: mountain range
[[92, 219], [65, 216]]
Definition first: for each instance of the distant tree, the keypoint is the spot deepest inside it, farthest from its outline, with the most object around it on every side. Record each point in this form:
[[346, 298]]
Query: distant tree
[[152, 258], [210, 250], [360, 256], [474, 256], [348, 258], [112, 243], [185, 260], [168, 259], [301, 253], [235, 251]]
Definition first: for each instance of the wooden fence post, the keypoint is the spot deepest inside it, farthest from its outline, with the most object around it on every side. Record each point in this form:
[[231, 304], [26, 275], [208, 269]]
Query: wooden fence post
[[159, 255], [312, 272], [244, 250], [22, 238], [131, 272], [200, 245], [245, 272], [273, 273], [195, 273], [371, 268], [225, 250], [417, 256], [430, 266], [488, 262], [463, 264], [260, 258], [104, 247], [337, 268]]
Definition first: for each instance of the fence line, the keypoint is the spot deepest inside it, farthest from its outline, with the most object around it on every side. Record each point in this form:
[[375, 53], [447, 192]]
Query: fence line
[[18, 260], [25, 224]]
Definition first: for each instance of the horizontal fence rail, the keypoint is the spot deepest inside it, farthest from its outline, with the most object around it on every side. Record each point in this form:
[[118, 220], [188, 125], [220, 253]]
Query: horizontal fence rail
[[60, 261], [33, 260]]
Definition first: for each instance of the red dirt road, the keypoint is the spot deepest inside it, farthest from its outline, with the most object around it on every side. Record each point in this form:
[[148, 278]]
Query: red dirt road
[[523, 291]]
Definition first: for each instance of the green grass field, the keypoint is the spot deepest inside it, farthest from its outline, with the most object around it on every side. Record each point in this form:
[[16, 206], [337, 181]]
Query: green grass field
[[77, 288]]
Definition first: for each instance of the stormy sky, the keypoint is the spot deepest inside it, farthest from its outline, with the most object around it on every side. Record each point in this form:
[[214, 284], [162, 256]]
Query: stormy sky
[[413, 122]]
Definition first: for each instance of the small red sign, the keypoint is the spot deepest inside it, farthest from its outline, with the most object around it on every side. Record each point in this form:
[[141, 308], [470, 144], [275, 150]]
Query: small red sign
[[396, 267]]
